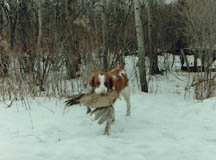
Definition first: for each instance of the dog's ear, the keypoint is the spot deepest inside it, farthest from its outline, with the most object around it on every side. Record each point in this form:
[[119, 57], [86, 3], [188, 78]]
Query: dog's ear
[[91, 81]]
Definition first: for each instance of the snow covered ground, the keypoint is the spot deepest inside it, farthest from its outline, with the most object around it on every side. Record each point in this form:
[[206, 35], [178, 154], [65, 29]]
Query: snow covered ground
[[164, 125]]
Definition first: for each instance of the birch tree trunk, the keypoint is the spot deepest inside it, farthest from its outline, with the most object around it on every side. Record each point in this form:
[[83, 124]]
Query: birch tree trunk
[[140, 43]]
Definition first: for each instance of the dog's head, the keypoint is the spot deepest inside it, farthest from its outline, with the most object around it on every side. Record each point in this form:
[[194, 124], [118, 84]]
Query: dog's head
[[101, 82]]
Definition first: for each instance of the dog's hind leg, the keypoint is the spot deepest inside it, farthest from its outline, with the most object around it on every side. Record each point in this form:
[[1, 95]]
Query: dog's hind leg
[[126, 95]]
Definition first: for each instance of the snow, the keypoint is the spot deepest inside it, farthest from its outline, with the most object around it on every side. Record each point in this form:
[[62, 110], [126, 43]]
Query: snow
[[164, 125]]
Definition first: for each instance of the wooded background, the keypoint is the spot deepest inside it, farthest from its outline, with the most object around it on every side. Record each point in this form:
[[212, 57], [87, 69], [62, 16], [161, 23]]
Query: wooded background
[[39, 39]]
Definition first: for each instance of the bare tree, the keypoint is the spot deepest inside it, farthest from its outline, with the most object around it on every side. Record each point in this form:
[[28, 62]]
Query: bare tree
[[200, 28], [39, 40], [152, 50], [140, 43], [105, 37]]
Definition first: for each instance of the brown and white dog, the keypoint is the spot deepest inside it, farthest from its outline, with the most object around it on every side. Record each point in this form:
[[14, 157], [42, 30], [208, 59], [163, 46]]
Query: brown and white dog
[[115, 79]]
